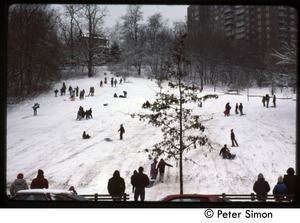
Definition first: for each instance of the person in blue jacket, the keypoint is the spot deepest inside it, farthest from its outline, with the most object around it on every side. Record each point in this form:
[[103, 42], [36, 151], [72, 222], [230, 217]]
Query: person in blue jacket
[[279, 190]]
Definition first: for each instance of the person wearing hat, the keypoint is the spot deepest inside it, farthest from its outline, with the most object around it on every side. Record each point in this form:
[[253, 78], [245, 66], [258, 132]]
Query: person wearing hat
[[289, 181], [72, 188], [116, 186], [139, 181], [18, 184], [279, 190], [261, 187], [39, 181]]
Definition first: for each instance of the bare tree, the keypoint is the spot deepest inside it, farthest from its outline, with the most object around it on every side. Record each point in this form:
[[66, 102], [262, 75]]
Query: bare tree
[[90, 20], [133, 37]]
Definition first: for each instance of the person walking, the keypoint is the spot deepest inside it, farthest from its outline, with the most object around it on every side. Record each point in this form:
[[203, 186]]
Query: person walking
[[227, 109], [122, 131], [261, 187], [139, 182], [39, 181], [279, 190], [233, 140], [18, 184], [161, 167], [35, 107], [116, 186]]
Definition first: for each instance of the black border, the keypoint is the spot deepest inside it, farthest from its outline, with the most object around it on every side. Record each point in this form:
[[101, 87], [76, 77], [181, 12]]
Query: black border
[[6, 203]]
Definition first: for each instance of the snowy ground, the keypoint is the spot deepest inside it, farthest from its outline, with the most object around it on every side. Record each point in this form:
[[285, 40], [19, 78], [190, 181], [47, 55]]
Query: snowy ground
[[52, 140]]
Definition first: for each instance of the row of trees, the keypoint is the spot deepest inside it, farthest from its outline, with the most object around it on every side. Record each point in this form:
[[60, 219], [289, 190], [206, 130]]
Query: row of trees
[[41, 42]]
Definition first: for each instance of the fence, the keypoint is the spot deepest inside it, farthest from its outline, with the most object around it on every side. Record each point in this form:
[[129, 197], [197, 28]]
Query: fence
[[104, 197], [230, 197], [253, 197]]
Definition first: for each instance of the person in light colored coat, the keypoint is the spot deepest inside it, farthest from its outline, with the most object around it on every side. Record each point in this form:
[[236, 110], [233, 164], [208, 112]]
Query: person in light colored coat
[[18, 184]]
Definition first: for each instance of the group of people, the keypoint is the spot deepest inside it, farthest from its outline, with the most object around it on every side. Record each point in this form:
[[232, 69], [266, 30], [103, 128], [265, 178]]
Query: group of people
[[284, 189], [225, 152], [21, 184], [81, 113], [266, 99], [113, 81], [238, 109]]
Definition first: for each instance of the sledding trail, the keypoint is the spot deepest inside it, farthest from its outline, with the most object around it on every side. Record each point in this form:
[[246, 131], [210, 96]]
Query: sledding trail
[[52, 140]]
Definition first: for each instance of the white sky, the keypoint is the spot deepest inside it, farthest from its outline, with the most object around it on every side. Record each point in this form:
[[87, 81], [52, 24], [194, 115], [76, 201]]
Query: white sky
[[170, 12]]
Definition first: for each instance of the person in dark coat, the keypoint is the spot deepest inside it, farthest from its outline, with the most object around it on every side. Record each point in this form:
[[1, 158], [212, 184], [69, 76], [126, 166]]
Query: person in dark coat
[[161, 167], [39, 181], [274, 100], [122, 131], [289, 181], [56, 91], [233, 140], [132, 177], [264, 101], [236, 108], [241, 109], [85, 136], [227, 109], [116, 186], [139, 182], [280, 190], [18, 184], [35, 107], [261, 187], [267, 100], [225, 152]]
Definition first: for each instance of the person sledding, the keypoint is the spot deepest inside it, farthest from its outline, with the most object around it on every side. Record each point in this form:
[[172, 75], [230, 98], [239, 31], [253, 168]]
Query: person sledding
[[225, 153]]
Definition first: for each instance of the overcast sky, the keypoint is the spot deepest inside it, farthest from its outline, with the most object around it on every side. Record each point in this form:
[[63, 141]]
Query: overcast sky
[[170, 12]]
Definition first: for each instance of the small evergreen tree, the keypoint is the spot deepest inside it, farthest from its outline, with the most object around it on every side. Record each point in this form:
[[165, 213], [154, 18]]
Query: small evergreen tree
[[182, 128]]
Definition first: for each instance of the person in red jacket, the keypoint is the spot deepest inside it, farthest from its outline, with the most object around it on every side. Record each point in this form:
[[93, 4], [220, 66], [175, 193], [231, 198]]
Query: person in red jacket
[[39, 181]]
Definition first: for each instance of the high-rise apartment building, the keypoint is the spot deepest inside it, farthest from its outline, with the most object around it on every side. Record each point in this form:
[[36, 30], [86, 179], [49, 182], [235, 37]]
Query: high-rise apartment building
[[262, 26]]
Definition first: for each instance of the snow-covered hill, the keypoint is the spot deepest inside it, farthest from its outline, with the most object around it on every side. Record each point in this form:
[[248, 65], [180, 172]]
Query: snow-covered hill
[[52, 140]]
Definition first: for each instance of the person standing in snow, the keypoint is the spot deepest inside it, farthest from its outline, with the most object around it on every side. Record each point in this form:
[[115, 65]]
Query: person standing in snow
[[280, 190], [153, 170], [35, 107], [264, 101], [132, 177], [267, 99], [139, 182], [233, 140], [161, 167], [241, 108], [39, 181], [274, 101], [122, 131], [289, 181], [261, 187], [227, 109], [116, 186], [18, 184], [236, 108]]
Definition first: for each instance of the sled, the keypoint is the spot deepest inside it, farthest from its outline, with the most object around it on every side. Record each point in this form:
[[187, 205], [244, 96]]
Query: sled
[[151, 184], [232, 157]]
